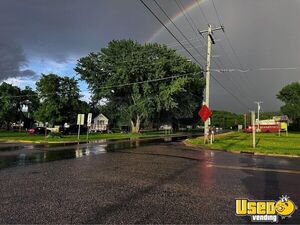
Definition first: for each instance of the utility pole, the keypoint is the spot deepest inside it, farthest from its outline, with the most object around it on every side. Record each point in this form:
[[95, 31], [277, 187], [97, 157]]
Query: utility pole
[[210, 41], [253, 128], [245, 120], [258, 111]]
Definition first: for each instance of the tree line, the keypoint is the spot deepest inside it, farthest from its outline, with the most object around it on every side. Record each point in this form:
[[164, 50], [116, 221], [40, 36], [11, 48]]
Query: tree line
[[56, 100]]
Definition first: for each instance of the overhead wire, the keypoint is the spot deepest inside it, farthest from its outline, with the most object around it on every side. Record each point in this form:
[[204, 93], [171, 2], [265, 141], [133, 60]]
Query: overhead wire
[[165, 13], [186, 16], [169, 31], [225, 34], [174, 44], [219, 63], [228, 91], [202, 12], [255, 69], [245, 80], [230, 45], [113, 86]]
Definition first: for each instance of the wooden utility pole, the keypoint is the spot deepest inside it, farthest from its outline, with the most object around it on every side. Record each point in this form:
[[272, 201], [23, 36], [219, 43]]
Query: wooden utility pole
[[210, 41]]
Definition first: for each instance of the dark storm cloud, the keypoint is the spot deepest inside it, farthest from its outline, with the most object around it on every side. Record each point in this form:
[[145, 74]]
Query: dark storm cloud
[[263, 33], [62, 29], [12, 61]]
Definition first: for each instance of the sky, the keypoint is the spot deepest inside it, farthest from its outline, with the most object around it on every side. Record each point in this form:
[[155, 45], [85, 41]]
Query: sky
[[44, 36]]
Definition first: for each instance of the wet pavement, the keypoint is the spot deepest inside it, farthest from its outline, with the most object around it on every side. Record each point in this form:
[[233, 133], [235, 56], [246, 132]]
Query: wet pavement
[[138, 181]]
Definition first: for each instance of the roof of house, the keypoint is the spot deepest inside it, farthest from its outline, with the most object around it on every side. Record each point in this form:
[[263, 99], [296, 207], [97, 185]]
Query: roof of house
[[101, 116]]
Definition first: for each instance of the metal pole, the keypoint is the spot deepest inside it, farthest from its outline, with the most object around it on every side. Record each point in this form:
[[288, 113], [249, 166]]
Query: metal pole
[[78, 131], [258, 111], [87, 133], [45, 130], [253, 128]]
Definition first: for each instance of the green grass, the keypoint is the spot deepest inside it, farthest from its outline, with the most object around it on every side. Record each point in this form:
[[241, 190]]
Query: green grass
[[25, 137], [268, 143]]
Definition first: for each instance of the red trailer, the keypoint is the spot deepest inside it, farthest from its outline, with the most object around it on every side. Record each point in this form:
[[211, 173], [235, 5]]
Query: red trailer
[[265, 128]]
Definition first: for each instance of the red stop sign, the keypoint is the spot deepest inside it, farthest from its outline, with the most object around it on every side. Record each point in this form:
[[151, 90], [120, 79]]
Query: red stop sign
[[204, 113]]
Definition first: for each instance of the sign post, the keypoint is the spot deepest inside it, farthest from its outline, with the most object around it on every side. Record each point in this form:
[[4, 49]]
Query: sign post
[[80, 121], [204, 113], [253, 128], [89, 123]]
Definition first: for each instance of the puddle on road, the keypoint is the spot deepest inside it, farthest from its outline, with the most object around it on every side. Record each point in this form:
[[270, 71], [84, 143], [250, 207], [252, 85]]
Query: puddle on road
[[48, 153]]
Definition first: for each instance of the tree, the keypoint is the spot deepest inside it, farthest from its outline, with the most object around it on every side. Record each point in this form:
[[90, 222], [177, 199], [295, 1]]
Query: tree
[[290, 95], [225, 119], [117, 74], [10, 104], [60, 99]]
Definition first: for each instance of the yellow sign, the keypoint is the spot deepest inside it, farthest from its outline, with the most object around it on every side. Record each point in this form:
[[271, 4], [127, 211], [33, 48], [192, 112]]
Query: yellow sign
[[80, 119], [283, 126], [265, 210]]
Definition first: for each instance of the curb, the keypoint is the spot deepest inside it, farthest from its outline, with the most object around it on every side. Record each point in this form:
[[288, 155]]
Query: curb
[[85, 141], [199, 148]]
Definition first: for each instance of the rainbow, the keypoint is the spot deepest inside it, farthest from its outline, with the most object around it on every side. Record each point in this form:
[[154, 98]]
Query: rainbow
[[174, 19]]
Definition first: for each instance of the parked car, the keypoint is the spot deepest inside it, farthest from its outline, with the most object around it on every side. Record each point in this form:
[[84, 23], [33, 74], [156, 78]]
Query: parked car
[[38, 130]]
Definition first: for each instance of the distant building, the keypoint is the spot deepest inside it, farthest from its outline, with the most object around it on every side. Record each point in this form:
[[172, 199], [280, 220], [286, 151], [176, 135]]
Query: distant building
[[100, 123], [283, 118]]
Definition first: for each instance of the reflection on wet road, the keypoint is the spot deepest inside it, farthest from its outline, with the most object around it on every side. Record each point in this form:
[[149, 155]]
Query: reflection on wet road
[[20, 155], [40, 155], [138, 181]]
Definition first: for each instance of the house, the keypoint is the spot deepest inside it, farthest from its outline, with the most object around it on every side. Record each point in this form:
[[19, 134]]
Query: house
[[100, 123]]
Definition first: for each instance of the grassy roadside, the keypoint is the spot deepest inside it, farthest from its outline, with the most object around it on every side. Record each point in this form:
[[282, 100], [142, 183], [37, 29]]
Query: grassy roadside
[[267, 143], [25, 137]]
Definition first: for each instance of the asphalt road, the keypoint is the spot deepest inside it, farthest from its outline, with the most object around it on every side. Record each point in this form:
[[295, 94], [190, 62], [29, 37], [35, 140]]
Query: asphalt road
[[137, 182]]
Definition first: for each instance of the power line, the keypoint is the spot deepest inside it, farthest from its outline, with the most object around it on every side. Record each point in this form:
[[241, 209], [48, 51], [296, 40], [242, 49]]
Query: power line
[[174, 44], [151, 11], [197, 46], [161, 22], [202, 12], [114, 86], [230, 92], [219, 63], [232, 64], [218, 16], [255, 69], [192, 39], [165, 13], [180, 6], [226, 36], [232, 49], [146, 81], [186, 16]]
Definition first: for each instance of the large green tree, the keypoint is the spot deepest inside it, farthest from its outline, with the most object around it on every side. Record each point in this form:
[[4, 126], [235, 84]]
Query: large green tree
[[290, 95], [117, 74], [60, 99]]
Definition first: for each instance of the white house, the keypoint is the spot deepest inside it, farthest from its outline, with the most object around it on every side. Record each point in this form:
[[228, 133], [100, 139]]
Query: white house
[[100, 123]]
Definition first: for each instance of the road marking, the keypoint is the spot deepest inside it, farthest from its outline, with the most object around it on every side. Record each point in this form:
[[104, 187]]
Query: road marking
[[254, 169]]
